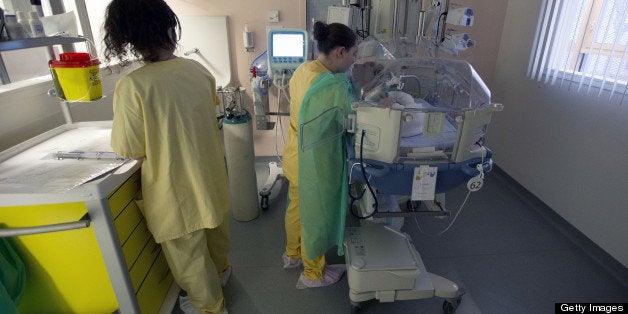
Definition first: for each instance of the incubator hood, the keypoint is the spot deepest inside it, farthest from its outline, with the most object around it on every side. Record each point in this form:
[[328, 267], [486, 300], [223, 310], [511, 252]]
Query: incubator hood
[[444, 84], [418, 108]]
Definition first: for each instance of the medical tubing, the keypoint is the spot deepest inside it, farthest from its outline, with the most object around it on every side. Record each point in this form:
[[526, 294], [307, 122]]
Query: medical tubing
[[368, 184], [283, 79], [285, 95], [280, 88], [487, 153], [278, 120], [259, 85], [351, 172]]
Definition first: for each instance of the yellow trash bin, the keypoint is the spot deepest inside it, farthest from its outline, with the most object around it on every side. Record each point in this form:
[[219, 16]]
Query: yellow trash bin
[[76, 76]]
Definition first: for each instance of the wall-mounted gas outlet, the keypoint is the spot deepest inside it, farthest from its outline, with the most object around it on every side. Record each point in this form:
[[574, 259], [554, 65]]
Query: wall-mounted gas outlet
[[273, 16]]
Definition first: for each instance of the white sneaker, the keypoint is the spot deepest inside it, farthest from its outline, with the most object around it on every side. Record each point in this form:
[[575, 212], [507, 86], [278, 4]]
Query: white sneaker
[[331, 275], [186, 305], [224, 278], [290, 262]]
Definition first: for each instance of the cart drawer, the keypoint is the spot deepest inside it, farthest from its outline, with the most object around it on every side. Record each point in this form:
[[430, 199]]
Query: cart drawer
[[155, 287], [119, 199], [127, 221], [136, 242], [140, 269]]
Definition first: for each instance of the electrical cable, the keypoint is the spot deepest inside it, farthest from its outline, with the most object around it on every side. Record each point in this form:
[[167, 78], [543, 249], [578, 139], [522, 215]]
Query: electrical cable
[[481, 166], [450, 224], [353, 198], [368, 184]]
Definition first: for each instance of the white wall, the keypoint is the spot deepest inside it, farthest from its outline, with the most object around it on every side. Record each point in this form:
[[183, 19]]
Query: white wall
[[567, 149], [255, 13]]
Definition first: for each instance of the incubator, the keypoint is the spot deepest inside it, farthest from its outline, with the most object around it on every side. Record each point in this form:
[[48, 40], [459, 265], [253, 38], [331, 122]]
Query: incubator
[[419, 112], [417, 131]]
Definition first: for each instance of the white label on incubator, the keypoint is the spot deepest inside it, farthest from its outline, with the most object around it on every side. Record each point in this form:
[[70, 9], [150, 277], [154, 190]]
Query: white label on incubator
[[424, 183]]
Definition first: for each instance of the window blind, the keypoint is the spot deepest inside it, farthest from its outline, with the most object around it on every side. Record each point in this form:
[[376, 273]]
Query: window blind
[[581, 45]]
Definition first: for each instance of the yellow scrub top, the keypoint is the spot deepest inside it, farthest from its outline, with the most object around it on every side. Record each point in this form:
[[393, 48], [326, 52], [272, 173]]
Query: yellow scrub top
[[166, 112], [300, 82]]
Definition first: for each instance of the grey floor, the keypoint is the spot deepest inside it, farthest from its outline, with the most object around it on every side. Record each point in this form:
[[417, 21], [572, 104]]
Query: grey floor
[[506, 251]]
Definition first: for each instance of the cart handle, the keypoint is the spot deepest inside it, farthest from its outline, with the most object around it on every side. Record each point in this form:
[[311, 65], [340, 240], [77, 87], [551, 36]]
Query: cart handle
[[13, 232]]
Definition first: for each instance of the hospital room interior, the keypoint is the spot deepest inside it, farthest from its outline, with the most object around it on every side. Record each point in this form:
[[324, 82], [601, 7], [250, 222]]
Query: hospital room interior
[[495, 183]]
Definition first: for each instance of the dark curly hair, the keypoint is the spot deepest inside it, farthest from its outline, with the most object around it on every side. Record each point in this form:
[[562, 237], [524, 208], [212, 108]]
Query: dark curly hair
[[139, 28], [330, 36]]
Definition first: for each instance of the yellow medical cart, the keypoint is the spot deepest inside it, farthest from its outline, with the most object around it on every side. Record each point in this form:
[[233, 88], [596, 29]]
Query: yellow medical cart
[[70, 207]]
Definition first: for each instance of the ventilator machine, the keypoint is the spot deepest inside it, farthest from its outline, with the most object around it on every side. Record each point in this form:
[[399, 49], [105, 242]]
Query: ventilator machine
[[287, 49]]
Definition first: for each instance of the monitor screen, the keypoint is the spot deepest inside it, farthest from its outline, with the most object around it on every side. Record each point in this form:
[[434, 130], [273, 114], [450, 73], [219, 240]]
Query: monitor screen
[[288, 45]]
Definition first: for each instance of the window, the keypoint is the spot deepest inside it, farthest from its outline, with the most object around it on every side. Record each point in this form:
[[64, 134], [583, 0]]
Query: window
[[581, 45]]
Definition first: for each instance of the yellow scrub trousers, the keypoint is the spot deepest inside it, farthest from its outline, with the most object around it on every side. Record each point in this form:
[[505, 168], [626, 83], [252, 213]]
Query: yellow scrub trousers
[[312, 268], [196, 260]]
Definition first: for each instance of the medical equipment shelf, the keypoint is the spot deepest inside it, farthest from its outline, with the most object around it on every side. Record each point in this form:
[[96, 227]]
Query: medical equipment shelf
[[112, 264], [47, 42], [38, 42]]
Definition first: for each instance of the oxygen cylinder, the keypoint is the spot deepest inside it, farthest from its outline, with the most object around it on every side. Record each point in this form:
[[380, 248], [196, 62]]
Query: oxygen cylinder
[[240, 155]]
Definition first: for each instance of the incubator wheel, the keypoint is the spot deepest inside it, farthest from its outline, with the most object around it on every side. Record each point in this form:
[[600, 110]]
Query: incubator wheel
[[413, 205], [450, 306], [355, 307], [264, 202]]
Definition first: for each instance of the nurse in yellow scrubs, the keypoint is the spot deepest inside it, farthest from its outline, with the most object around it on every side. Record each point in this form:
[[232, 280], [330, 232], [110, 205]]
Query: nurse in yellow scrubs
[[165, 115], [314, 158]]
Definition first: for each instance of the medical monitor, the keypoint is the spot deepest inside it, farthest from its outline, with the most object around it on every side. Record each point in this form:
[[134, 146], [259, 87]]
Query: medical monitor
[[287, 49]]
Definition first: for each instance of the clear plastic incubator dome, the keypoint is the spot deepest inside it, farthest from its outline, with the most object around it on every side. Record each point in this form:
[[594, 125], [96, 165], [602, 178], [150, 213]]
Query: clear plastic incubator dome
[[418, 108]]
